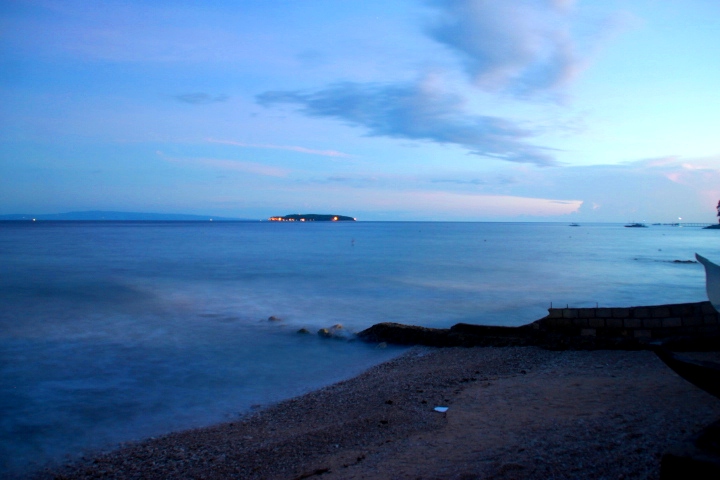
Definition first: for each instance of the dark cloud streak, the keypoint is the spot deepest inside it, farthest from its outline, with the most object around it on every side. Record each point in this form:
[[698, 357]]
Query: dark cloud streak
[[417, 112], [495, 180]]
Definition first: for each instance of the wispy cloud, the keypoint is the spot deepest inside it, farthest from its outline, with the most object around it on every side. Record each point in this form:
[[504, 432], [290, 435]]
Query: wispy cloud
[[416, 111], [354, 180], [494, 180], [455, 205], [679, 170], [227, 165], [292, 148], [523, 46], [669, 161], [200, 98]]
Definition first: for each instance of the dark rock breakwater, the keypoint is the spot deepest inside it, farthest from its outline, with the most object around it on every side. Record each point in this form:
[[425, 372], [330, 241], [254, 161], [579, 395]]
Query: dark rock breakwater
[[687, 326]]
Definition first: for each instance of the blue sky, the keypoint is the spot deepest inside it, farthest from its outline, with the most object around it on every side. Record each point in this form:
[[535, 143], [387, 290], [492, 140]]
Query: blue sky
[[471, 110]]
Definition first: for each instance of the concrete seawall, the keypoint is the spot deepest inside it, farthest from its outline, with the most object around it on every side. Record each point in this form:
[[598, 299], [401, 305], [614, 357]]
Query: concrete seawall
[[652, 322]]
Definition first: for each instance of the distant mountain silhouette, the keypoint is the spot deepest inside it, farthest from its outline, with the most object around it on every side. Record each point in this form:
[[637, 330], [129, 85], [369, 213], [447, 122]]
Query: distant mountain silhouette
[[121, 216]]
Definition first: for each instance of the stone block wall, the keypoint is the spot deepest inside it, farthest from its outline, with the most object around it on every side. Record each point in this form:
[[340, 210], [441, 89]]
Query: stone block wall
[[641, 323]]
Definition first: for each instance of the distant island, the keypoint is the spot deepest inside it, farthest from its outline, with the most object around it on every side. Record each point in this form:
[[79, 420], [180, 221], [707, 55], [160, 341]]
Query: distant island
[[96, 216], [312, 217]]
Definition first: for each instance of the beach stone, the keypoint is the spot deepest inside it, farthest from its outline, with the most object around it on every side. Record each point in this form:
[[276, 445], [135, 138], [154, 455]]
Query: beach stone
[[303, 331], [336, 331], [399, 334], [273, 318]]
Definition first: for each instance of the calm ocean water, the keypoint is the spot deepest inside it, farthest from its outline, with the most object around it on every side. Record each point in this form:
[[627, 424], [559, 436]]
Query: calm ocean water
[[117, 331]]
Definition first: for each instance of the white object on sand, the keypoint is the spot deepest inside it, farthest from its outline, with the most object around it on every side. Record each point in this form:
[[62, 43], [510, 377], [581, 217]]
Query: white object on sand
[[712, 280], [441, 409]]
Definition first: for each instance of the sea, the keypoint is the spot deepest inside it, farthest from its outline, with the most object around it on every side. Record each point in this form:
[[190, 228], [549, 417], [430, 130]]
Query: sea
[[113, 332]]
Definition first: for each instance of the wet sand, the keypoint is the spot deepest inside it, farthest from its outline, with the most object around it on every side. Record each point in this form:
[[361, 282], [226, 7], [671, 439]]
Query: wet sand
[[513, 413]]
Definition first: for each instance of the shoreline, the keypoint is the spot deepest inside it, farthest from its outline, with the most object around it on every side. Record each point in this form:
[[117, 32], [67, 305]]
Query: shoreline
[[513, 412]]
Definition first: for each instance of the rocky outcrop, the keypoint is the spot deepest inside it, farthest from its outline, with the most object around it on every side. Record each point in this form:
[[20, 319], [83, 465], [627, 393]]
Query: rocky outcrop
[[686, 326]]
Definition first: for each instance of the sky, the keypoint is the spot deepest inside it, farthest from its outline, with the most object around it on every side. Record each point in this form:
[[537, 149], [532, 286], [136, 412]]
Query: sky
[[457, 110]]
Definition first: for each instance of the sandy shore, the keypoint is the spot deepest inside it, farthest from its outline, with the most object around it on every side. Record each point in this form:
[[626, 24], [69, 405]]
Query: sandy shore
[[516, 412]]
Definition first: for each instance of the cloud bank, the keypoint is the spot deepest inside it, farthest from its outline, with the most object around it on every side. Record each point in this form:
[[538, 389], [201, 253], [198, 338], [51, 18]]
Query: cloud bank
[[523, 46], [416, 112], [662, 189]]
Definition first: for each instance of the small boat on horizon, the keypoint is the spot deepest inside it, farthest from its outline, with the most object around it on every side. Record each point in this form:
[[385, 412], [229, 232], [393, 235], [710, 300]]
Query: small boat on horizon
[[636, 225], [574, 224]]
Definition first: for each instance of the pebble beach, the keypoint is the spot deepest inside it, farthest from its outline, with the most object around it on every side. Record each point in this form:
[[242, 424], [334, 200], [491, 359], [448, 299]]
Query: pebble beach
[[512, 413]]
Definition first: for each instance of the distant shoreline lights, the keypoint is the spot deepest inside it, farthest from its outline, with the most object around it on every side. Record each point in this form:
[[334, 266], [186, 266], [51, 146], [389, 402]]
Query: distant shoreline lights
[[313, 217]]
